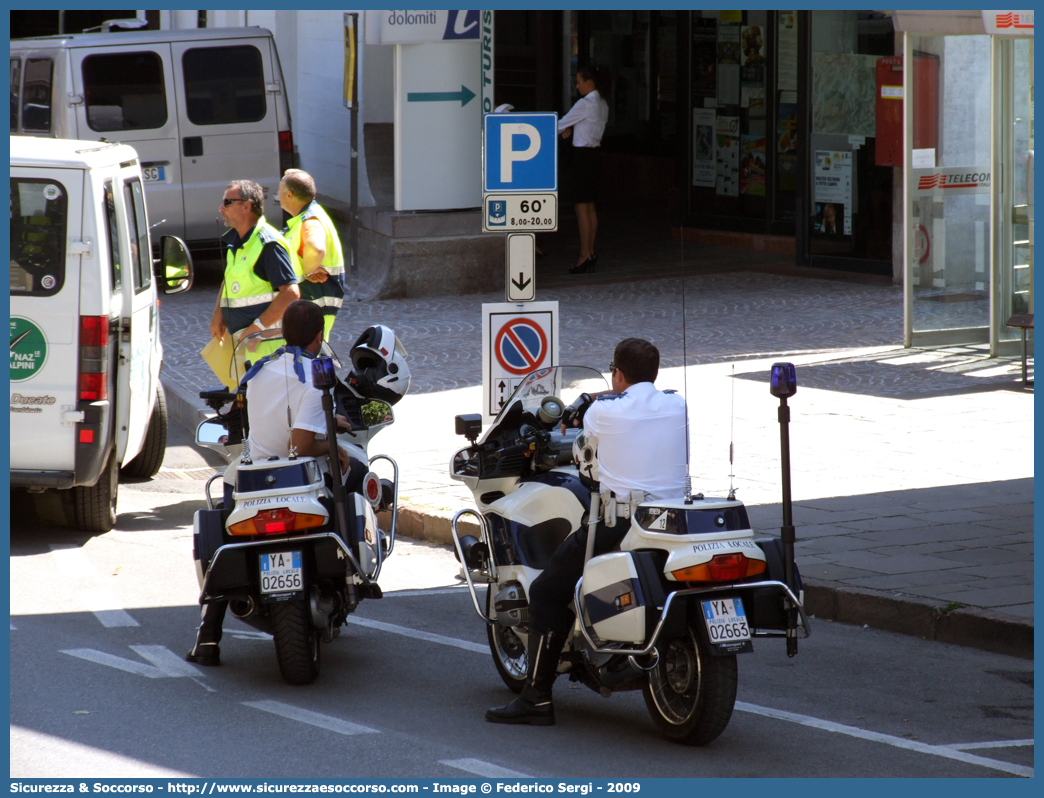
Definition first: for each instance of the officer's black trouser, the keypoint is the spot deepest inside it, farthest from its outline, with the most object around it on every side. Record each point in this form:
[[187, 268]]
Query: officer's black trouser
[[551, 594]]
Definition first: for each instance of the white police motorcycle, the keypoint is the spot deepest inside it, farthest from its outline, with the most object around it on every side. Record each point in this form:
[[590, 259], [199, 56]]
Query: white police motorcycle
[[290, 549], [667, 614]]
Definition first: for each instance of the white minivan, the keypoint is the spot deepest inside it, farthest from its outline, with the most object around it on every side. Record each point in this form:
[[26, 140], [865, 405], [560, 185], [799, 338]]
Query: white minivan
[[201, 107], [86, 400]]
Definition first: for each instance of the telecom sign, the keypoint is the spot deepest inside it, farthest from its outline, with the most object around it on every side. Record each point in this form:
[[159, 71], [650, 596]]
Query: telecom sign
[[520, 153], [516, 340]]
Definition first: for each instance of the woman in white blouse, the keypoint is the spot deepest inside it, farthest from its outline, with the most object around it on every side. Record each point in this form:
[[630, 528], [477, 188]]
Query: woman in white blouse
[[585, 123]]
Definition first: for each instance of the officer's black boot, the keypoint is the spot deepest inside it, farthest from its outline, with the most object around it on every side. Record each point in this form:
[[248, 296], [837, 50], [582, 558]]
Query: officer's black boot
[[206, 651], [534, 705]]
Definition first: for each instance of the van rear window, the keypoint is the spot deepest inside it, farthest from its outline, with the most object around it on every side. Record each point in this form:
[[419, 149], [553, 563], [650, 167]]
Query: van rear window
[[124, 91], [36, 94], [38, 214], [224, 85]]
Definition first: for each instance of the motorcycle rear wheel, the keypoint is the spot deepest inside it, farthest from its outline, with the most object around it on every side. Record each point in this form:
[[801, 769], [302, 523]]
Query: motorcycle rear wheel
[[690, 693], [508, 650], [296, 641]]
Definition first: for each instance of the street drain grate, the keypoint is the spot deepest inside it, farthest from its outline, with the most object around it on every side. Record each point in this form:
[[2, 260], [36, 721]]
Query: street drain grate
[[186, 473]]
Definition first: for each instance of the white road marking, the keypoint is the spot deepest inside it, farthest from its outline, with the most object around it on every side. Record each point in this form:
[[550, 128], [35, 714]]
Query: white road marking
[[948, 752], [167, 661], [128, 665], [84, 579], [480, 768], [13, 628], [887, 739], [312, 718], [428, 636], [993, 744], [243, 634]]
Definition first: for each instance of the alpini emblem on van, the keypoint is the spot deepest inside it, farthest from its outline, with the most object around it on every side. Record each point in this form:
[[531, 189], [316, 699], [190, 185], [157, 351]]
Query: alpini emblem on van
[[28, 349]]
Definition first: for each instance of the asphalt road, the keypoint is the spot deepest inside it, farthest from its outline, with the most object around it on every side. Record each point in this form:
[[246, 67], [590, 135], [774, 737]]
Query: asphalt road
[[98, 686]]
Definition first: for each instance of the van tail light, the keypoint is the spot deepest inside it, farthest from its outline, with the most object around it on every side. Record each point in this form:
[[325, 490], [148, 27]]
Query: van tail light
[[277, 522], [286, 150], [94, 358], [721, 568]]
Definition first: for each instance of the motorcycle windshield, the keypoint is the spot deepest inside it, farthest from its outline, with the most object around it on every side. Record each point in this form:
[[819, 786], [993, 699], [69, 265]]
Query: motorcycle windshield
[[255, 346], [564, 382]]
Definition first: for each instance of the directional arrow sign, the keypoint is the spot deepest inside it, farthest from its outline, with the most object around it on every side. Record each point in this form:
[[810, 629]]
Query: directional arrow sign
[[464, 96], [520, 280]]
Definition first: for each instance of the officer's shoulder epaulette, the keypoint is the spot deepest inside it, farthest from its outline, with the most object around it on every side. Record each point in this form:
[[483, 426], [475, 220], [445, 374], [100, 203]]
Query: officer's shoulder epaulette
[[669, 390], [609, 396], [267, 234]]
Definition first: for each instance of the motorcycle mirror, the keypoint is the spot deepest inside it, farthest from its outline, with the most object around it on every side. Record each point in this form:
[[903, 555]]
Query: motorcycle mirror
[[783, 382], [377, 414], [211, 433]]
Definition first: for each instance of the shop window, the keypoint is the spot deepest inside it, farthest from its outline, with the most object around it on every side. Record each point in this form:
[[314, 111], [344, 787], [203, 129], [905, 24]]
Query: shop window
[[224, 85], [124, 91], [16, 91]]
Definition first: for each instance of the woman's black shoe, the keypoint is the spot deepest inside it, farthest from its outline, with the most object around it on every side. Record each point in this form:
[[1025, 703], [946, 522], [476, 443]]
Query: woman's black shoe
[[593, 258], [586, 266]]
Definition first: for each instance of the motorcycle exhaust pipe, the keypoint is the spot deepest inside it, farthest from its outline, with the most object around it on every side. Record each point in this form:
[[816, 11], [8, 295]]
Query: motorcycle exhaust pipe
[[242, 608], [614, 673]]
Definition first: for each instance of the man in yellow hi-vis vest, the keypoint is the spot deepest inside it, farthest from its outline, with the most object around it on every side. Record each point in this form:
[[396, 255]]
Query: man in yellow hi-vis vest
[[260, 277], [314, 241]]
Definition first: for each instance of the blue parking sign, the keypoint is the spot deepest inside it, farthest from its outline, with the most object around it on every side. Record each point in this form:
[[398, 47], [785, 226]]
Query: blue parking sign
[[520, 152]]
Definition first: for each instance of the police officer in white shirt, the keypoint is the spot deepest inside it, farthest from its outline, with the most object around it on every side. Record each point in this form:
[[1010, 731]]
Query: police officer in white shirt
[[641, 446], [285, 410]]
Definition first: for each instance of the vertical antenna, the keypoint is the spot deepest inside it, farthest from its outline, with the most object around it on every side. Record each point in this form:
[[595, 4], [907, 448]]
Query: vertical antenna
[[732, 427], [685, 379]]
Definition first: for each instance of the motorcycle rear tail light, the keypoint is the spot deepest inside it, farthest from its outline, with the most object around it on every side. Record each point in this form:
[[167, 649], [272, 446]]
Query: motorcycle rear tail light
[[276, 522], [721, 568], [323, 373]]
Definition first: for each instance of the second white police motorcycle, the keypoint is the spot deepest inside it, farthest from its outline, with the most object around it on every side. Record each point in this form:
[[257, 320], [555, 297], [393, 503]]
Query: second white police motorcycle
[[290, 549], [667, 614]]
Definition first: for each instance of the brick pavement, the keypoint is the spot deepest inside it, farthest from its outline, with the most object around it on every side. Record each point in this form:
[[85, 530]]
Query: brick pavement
[[912, 469]]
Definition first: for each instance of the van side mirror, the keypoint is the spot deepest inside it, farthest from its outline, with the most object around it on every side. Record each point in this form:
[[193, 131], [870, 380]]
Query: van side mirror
[[174, 269]]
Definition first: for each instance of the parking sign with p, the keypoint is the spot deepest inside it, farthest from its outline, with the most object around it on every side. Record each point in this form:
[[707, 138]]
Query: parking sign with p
[[521, 153]]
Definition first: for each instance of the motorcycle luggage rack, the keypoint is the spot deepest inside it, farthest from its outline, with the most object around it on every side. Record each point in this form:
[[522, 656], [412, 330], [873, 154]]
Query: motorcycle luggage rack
[[693, 591], [464, 566]]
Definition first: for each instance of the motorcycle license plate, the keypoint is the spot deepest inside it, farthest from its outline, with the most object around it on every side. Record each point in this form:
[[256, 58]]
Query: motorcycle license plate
[[726, 621], [281, 572]]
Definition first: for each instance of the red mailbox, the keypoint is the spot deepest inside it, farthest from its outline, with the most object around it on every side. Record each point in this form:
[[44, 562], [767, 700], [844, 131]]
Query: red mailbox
[[889, 107]]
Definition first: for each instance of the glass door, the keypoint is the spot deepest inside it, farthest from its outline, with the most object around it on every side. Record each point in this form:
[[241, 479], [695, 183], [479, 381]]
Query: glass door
[[947, 175]]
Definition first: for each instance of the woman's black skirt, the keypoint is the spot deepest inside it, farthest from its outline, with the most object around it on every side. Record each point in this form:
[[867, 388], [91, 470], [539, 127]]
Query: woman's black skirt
[[583, 172]]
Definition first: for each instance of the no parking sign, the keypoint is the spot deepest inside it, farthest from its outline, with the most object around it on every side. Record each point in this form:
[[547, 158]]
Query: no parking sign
[[516, 339]]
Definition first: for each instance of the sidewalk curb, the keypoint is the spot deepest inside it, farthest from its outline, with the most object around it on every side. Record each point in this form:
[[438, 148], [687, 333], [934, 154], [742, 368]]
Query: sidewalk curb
[[909, 615]]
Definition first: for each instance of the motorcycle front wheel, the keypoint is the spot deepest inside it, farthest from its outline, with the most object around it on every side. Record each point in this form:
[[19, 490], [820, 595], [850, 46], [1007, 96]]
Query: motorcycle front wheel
[[690, 693], [508, 650], [296, 641]]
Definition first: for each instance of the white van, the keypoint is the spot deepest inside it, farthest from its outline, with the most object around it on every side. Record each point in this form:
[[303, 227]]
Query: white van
[[201, 107], [85, 333]]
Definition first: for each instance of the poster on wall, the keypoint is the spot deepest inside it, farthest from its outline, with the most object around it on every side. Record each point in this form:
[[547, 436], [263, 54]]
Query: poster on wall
[[703, 169], [752, 165], [786, 51], [832, 200], [786, 146], [728, 65], [752, 46], [727, 147], [704, 59]]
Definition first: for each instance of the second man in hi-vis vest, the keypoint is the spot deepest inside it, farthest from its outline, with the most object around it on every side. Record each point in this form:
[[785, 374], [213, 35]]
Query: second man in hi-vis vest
[[314, 242], [260, 275]]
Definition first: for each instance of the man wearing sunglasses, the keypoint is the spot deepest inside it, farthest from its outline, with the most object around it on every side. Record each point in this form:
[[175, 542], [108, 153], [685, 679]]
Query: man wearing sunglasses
[[260, 278], [639, 433]]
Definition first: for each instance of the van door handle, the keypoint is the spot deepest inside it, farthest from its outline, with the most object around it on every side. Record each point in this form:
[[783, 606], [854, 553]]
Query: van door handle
[[191, 146]]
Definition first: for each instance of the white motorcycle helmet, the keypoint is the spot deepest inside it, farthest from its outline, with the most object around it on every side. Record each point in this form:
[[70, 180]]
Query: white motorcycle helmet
[[585, 455], [379, 368]]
